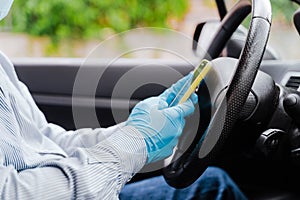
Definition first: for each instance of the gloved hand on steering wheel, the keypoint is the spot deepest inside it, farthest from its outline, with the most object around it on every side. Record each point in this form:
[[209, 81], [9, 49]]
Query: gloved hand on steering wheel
[[160, 124]]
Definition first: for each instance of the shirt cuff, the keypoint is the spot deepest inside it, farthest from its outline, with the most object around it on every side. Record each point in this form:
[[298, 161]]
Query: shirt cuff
[[130, 146], [126, 146]]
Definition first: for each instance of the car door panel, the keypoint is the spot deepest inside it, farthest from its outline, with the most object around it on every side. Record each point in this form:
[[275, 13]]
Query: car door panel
[[51, 83]]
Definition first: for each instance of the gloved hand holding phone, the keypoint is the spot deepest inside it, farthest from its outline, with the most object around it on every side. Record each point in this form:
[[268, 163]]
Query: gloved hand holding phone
[[162, 124]]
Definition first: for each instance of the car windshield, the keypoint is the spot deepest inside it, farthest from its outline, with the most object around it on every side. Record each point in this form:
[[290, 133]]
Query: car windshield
[[27, 32]]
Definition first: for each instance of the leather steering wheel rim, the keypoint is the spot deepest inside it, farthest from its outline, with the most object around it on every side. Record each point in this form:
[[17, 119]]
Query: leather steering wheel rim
[[228, 25], [186, 169]]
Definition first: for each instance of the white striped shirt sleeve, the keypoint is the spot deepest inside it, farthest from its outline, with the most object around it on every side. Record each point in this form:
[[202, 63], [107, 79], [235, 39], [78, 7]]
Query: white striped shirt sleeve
[[83, 164]]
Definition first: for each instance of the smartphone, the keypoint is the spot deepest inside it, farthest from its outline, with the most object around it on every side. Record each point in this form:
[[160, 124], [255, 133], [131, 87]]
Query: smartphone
[[199, 74]]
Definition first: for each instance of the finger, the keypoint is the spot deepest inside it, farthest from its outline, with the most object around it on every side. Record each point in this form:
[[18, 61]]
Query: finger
[[182, 85], [146, 104], [163, 104], [170, 98], [194, 98], [175, 88], [181, 110], [186, 108]]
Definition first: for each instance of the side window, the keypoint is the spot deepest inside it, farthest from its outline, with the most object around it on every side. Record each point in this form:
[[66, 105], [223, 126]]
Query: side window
[[74, 28]]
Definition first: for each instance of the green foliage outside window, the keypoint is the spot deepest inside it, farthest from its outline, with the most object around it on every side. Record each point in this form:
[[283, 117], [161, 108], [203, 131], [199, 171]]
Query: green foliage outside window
[[284, 8], [61, 19]]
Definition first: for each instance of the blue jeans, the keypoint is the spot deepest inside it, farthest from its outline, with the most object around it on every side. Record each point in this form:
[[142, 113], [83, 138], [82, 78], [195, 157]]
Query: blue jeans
[[213, 184]]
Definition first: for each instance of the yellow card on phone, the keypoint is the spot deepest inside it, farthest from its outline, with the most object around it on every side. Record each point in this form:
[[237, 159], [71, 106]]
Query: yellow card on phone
[[199, 73]]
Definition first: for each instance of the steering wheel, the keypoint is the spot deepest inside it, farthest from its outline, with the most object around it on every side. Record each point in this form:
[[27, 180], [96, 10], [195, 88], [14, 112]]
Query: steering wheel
[[228, 26], [186, 167]]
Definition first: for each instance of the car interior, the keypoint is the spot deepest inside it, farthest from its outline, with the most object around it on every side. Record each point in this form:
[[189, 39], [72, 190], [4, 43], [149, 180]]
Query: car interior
[[249, 120]]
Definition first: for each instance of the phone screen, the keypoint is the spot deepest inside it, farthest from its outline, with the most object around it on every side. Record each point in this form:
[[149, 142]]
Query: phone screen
[[199, 74]]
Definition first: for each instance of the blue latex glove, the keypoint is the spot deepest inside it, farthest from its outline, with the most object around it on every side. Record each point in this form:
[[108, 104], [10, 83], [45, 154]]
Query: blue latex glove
[[160, 124]]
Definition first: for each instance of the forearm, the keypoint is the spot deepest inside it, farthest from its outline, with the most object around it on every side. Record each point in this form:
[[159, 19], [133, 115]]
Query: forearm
[[96, 172], [69, 141], [37, 183]]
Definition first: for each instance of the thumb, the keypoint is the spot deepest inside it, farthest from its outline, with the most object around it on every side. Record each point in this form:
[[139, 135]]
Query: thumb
[[176, 87]]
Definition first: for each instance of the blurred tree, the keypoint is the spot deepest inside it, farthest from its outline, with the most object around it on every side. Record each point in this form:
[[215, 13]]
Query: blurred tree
[[62, 19], [282, 10], [285, 8]]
